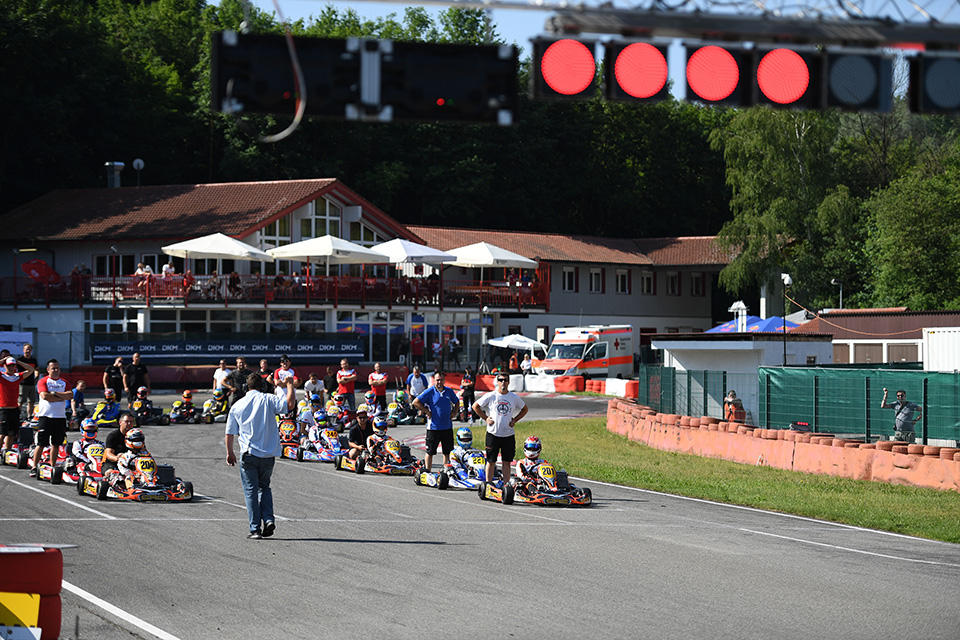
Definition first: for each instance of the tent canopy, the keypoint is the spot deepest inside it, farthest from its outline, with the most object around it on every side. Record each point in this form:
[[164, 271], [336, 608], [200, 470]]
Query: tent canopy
[[399, 251], [770, 325], [516, 341], [334, 250], [483, 254], [216, 246]]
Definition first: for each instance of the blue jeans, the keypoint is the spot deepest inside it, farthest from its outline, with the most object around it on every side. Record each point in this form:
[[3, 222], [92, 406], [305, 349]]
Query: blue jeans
[[255, 474]]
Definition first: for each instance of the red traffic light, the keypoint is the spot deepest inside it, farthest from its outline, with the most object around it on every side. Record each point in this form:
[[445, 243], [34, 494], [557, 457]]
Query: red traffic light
[[635, 71], [563, 69], [783, 76], [716, 74]]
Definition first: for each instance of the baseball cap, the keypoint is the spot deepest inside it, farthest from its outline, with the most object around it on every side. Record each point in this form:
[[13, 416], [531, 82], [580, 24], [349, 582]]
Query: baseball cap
[[10, 360]]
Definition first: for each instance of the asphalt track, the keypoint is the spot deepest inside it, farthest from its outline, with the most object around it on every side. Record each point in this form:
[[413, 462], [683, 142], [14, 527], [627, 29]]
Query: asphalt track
[[378, 556]]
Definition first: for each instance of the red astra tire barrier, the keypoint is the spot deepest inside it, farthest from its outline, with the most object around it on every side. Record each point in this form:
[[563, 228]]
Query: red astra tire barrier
[[915, 449], [49, 617], [947, 453], [885, 445], [32, 572], [931, 451]]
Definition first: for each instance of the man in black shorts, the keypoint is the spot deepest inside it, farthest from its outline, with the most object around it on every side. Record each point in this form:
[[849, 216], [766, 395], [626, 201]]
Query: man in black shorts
[[114, 445], [54, 393], [501, 409], [10, 400]]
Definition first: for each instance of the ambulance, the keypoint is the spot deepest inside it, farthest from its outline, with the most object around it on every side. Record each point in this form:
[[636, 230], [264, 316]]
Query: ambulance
[[594, 351]]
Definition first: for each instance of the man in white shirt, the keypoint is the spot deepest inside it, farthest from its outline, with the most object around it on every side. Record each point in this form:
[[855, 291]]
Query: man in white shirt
[[219, 374], [501, 409]]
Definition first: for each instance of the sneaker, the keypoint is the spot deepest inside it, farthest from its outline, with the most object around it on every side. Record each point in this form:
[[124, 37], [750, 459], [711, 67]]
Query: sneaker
[[254, 535], [268, 528], [33, 472]]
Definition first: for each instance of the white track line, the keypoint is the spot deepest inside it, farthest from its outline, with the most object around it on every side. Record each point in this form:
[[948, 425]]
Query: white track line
[[56, 497], [860, 551], [120, 613], [232, 504]]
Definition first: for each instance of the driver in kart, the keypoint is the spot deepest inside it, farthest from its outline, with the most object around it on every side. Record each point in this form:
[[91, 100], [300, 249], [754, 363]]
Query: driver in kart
[[313, 437], [527, 466], [136, 444], [305, 422], [462, 452], [107, 412], [359, 433], [375, 441], [78, 451]]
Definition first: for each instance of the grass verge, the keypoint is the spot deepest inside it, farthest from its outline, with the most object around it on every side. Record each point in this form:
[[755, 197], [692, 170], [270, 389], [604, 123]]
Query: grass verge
[[586, 449]]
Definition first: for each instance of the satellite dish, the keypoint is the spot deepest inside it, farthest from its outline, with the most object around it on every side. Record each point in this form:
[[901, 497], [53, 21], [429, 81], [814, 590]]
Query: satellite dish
[[138, 164]]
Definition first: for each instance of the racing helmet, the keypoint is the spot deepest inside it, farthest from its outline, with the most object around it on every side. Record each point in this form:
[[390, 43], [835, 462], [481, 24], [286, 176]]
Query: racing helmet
[[135, 441], [340, 400], [109, 394], [464, 438], [219, 393], [364, 409], [187, 395], [316, 401], [320, 417], [89, 429], [142, 393], [380, 427], [531, 447], [370, 397], [400, 396]]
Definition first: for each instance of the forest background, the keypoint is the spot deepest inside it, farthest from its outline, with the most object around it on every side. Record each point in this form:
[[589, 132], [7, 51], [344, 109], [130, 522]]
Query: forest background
[[871, 200]]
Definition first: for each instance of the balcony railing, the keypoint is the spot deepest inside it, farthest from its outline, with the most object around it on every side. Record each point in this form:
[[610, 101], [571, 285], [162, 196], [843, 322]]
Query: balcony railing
[[270, 291]]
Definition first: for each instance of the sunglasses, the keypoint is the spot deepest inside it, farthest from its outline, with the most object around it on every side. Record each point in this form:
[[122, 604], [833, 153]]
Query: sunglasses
[[503, 380]]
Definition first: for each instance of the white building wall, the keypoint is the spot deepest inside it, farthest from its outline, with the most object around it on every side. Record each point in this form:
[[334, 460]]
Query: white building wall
[[57, 333]]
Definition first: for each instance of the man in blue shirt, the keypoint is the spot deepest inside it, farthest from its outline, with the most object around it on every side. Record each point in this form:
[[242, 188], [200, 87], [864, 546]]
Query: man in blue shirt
[[253, 419], [437, 403]]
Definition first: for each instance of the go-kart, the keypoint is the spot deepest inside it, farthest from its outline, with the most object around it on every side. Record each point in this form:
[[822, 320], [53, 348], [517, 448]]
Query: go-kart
[[150, 482], [214, 411], [146, 413], [181, 413], [48, 470], [471, 478], [392, 458], [343, 463], [326, 449], [24, 441], [404, 414], [81, 472], [549, 487], [289, 438], [340, 418]]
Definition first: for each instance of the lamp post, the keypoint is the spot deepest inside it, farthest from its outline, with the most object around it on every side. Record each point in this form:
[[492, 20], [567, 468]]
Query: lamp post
[[838, 283], [787, 283]]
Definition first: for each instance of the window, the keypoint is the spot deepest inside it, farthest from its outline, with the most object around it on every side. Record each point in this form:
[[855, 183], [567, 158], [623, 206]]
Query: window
[[623, 281], [648, 284], [570, 279], [673, 283], [696, 284], [103, 265], [596, 281]]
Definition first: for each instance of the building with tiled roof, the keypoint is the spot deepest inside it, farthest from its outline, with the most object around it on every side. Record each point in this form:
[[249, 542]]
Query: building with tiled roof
[[94, 240]]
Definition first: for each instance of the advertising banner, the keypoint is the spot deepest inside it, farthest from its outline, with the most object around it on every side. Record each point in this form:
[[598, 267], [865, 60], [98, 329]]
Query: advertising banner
[[202, 351]]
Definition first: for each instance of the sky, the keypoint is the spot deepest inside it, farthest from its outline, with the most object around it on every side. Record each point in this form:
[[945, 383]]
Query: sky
[[515, 26]]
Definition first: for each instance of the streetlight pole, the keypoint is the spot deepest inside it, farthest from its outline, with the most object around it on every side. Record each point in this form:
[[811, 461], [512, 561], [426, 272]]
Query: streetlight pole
[[787, 283], [838, 283]]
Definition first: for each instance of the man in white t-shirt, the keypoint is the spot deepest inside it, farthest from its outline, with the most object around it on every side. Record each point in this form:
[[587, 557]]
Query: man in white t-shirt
[[501, 409], [313, 385], [54, 392], [219, 374]]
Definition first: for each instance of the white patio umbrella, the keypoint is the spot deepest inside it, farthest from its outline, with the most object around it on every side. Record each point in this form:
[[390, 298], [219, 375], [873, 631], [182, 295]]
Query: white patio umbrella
[[332, 249], [399, 251], [516, 341], [484, 254], [216, 246]]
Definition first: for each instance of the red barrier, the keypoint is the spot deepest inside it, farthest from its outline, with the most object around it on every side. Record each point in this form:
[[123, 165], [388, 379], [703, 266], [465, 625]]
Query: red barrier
[[29, 570], [563, 384], [633, 389]]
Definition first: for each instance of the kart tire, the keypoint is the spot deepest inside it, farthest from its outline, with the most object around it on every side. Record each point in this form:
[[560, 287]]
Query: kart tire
[[508, 494], [164, 420], [80, 482], [188, 488], [207, 419], [482, 490], [22, 460], [443, 481], [361, 465], [299, 454], [102, 488], [57, 476], [588, 495], [338, 463], [416, 478]]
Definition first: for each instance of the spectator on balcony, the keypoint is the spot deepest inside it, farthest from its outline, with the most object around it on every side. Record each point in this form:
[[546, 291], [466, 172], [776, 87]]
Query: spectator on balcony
[[280, 285], [234, 286], [142, 274], [186, 285], [213, 285], [168, 271]]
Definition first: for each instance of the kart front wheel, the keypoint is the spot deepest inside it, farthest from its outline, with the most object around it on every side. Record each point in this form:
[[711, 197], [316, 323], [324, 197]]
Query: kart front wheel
[[57, 476], [416, 478], [188, 488], [588, 495], [207, 419], [443, 481], [22, 460], [102, 488], [80, 482], [299, 454], [338, 463], [482, 490], [508, 494], [361, 465]]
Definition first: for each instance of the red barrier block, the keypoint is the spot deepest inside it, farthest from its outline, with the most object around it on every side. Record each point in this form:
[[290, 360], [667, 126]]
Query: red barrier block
[[26, 570]]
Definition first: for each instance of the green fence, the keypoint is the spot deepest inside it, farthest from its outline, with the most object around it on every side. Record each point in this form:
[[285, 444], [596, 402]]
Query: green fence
[[831, 400]]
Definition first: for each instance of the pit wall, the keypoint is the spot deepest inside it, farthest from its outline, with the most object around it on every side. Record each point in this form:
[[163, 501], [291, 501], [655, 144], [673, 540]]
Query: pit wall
[[895, 463]]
